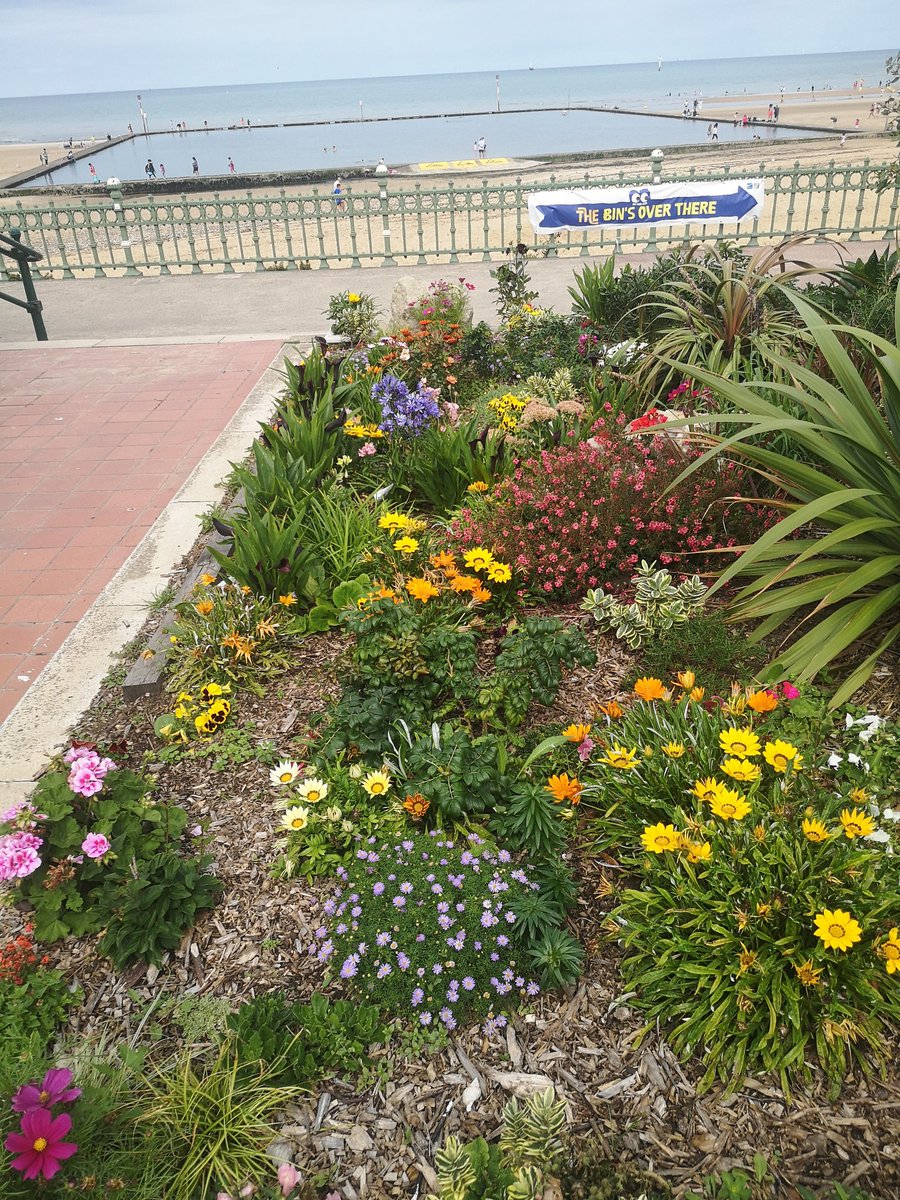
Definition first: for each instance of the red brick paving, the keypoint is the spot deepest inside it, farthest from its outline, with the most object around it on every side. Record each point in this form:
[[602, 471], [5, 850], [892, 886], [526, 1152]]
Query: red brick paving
[[94, 443]]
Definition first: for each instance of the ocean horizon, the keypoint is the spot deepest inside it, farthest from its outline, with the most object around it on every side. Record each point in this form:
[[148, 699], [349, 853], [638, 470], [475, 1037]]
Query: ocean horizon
[[331, 124]]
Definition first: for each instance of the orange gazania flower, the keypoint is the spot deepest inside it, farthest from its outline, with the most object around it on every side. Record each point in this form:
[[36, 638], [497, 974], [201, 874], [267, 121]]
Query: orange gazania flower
[[287, 600], [451, 379], [416, 805], [421, 589], [762, 702], [649, 689], [204, 607], [686, 679], [612, 710], [481, 594], [697, 694], [477, 486], [207, 580], [576, 733], [561, 788], [465, 583], [443, 561]]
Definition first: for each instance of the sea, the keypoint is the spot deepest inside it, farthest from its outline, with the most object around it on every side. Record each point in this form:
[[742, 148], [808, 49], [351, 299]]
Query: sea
[[342, 124]]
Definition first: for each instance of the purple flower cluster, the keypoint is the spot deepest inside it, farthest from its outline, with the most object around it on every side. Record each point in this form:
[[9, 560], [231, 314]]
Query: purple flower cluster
[[427, 928], [404, 412]]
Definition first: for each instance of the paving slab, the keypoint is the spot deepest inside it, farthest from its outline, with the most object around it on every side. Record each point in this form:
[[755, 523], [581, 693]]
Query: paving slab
[[99, 445]]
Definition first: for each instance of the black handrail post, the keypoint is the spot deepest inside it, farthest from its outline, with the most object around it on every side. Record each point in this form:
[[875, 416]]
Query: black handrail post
[[34, 305], [11, 246]]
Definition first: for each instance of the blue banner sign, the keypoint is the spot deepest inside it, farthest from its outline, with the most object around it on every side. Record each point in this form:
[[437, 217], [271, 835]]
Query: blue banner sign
[[726, 200]]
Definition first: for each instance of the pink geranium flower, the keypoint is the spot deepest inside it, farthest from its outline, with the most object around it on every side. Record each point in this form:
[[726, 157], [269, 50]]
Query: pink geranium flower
[[40, 1146], [53, 1089], [18, 855], [789, 691], [288, 1178], [95, 845], [366, 449]]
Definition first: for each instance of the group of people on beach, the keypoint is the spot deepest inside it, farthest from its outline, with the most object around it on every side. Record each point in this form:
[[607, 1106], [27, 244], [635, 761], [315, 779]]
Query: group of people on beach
[[150, 168]]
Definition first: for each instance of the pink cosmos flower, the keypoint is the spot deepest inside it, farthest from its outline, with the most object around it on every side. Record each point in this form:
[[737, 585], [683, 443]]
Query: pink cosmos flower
[[53, 1089], [39, 1146], [95, 845], [288, 1178]]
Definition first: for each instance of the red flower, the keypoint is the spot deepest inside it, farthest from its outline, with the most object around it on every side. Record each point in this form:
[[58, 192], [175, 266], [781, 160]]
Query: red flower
[[39, 1146]]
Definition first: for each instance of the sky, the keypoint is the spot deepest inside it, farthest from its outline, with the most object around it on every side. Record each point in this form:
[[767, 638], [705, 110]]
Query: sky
[[61, 46]]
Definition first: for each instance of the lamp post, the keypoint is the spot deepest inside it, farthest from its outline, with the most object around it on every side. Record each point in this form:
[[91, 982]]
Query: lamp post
[[656, 165], [143, 115], [360, 110], [497, 82]]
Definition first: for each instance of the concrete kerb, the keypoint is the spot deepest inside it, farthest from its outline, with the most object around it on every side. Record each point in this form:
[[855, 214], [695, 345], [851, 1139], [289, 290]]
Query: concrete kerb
[[39, 724]]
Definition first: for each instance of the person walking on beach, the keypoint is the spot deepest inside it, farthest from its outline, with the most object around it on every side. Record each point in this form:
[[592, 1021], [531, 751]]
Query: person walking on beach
[[338, 193], [714, 137], [149, 169], [93, 171], [231, 166], [162, 170], [195, 166], [481, 146]]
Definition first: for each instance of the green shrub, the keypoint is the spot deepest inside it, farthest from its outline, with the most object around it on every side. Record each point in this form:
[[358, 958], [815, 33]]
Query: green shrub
[[353, 315], [658, 606], [715, 650], [302, 1044]]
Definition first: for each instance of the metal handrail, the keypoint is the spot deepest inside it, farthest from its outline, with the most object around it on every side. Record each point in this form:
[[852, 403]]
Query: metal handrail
[[12, 246]]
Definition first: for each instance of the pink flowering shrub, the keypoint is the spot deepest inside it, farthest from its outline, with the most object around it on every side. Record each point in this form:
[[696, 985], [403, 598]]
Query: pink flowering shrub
[[584, 515]]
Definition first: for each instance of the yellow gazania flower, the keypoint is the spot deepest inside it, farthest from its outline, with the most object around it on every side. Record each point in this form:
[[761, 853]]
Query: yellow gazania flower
[[856, 823], [295, 818], [762, 702], [204, 607], [814, 830], [443, 561], [478, 559], [729, 805], [741, 769], [621, 758], [287, 600], [499, 572], [782, 755], [312, 790], [612, 710], [890, 952], [859, 796], [649, 689], [477, 486], [657, 839], [759, 832], [561, 788], [673, 749], [377, 783], [746, 960], [739, 743], [352, 298], [698, 852], [284, 772], [837, 929], [406, 545], [707, 789], [207, 580], [421, 589], [686, 679], [393, 521], [481, 595], [246, 590], [809, 975], [576, 733], [697, 694]]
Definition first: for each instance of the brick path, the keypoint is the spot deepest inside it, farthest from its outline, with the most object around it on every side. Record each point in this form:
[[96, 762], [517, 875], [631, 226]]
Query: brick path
[[94, 443]]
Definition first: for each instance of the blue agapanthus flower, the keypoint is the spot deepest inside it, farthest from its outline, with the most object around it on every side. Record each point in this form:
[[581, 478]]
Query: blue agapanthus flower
[[405, 412]]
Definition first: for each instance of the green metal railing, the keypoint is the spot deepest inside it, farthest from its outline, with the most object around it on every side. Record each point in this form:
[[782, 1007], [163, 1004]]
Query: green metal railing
[[439, 221]]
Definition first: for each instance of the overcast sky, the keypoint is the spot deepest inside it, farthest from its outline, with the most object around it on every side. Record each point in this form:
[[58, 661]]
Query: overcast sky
[[54, 46]]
